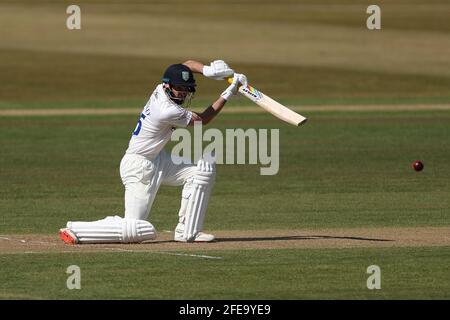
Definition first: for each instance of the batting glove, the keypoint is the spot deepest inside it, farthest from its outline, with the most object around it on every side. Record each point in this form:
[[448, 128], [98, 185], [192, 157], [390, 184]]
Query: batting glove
[[231, 91], [217, 70]]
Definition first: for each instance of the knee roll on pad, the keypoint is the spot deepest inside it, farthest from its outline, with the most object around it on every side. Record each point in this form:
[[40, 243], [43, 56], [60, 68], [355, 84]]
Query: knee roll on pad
[[205, 174], [137, 231]]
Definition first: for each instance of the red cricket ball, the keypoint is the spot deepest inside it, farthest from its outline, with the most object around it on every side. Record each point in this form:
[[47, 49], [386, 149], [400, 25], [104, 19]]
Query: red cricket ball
[[417, 165]]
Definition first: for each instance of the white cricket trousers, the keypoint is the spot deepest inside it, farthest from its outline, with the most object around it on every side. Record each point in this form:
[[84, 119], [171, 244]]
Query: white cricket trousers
[[142, 178]]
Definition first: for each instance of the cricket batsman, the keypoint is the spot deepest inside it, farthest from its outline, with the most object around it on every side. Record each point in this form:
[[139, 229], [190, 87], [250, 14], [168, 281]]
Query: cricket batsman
[[146, 165]]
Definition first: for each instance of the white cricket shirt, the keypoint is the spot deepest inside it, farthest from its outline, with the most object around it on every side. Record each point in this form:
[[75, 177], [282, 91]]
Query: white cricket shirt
[[158, 119]]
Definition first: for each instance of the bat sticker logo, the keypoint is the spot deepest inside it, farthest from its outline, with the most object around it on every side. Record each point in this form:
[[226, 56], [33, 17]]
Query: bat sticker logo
[[252, 92]]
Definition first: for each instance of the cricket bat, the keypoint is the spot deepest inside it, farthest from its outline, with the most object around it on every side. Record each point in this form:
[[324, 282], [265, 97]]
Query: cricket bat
[[270, 105]]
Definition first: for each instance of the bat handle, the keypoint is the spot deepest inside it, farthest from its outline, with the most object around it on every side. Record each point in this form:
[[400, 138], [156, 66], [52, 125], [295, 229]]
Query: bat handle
[[230, 81]]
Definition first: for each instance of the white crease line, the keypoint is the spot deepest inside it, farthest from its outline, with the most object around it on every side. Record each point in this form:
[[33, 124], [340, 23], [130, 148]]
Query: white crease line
[[3, 238], [165, 252], [126, 250], [120, 249], [189, 255]]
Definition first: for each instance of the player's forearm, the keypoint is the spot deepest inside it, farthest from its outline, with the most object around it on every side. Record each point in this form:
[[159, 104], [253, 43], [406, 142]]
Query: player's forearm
[[212, 110], [195, 66]]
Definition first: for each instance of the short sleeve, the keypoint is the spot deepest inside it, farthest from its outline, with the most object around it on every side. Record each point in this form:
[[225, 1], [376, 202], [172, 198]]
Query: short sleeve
[[178, 117]]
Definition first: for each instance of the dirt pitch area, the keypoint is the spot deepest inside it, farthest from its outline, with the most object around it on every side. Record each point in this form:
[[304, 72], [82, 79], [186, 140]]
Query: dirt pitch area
[[232, 240]]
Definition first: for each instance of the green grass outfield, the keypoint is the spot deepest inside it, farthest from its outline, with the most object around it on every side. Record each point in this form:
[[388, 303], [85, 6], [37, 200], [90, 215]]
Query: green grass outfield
[[249, 274], [342, 169]]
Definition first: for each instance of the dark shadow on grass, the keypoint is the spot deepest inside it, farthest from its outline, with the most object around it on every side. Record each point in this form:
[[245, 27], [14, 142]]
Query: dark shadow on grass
[[312, 237]]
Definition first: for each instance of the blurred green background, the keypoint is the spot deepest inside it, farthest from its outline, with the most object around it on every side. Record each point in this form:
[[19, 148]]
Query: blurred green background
[[304, 51]]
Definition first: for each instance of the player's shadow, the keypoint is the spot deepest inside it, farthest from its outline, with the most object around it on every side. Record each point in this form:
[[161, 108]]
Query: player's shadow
[[310, 237]]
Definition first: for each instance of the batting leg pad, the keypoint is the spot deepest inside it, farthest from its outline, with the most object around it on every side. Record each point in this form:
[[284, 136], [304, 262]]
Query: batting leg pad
[[196, 197], [112, 230]]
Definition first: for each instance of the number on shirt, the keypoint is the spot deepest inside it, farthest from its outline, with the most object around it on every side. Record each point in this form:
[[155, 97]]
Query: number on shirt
[[139, 125]]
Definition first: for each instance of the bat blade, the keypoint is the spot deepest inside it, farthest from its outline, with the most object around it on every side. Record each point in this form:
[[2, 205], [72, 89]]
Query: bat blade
[[270, 105]]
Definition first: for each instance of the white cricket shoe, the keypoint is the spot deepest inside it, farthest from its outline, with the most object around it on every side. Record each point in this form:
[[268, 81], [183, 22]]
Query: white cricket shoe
[[200, 237]]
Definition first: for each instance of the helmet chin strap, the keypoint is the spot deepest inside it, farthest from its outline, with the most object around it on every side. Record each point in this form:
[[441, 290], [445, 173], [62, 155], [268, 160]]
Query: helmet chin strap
[[172, 97], [184, 102]]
